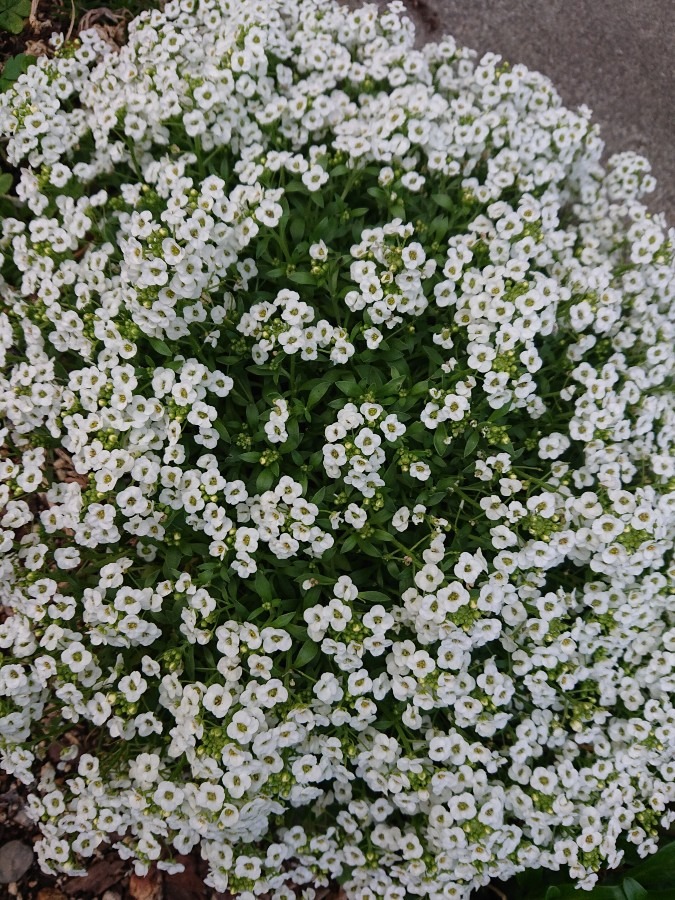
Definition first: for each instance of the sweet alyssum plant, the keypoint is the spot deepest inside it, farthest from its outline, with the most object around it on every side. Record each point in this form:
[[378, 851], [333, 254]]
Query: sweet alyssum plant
[[337, 483]]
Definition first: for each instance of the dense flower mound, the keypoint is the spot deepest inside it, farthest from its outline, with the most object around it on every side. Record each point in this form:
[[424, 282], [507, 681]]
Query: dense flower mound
[[336, 477]]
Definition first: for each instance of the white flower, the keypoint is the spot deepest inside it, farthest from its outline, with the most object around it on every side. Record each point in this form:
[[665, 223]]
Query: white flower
[[76, 657], [168, 796], [420, 470]]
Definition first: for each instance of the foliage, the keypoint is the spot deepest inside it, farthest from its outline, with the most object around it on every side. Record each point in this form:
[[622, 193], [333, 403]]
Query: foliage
[[13, 14], [337, 474], [13, 67], [650, 879]]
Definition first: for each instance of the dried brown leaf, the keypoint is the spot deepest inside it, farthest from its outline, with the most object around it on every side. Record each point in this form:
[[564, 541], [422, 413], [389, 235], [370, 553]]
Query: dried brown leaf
[[99, 14], [113, 32], [146, 887], [65, 470], [188, 884], [37, 48], [101, 875], [50, 893]]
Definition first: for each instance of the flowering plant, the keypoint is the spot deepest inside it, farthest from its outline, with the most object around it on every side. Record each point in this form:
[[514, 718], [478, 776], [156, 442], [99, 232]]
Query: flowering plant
[[336, 466]]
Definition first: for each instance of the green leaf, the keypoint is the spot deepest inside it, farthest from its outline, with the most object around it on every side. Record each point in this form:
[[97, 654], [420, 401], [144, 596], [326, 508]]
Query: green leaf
[[250, 456], [302, 278], [657, 870], [601, 892], [12, 15], [381, 535], [221, 429], [569, 891], [160, 347], [370, 549], [349, 544], [471, 442], [308, 652], [264, 481], [285, 619], [634, 890], [263, 588], [297, 228], [151, 576], [375, 596], [350, 389], [15, 66], [378, 193], [172, 560], [444, 202], [500, 413], [5, 182], [440, 435], [394, 569], [297, 631], [317, 392]]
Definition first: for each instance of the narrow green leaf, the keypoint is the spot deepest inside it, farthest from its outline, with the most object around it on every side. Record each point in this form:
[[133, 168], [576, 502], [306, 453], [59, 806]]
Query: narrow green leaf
[[172, 558], [297, 228], [285, 619], [250, 456], [308, 652], [297, 632], [381, 535], [375, 596], [5, 182], [370, 549], [440, 435], [471, 442], [264, 481], [302, 278], [222, 430], [634, 890], [263, 588], [317, 392], [657, 870], [160, 347], [444, 201], [350, 389]]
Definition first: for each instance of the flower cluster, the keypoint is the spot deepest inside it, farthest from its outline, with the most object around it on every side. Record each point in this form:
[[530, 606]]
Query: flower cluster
[[336, 460]]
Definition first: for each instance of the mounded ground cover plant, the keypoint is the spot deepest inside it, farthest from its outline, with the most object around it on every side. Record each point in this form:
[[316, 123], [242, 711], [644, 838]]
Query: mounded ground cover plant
[[337, 475]]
